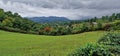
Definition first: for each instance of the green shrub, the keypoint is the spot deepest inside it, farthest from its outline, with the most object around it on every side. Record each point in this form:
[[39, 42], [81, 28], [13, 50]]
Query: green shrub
[[116, 25], [115, 50], [93, 50], [110, 39], [107, 27]]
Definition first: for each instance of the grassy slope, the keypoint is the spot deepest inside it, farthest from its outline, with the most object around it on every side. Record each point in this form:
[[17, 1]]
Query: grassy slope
[[16, 44]]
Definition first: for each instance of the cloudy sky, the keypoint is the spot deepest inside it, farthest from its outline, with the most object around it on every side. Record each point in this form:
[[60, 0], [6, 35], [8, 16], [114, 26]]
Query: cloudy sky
[[72, 9]]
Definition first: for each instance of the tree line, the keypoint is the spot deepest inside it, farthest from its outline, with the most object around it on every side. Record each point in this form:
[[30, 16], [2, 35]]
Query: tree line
[[14, 22]]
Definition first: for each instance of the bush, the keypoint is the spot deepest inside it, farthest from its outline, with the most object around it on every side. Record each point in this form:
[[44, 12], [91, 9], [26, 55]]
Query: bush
[[115, 50], [116, 25], [108, 45], [110, 39], [107, 27], [93, 50]]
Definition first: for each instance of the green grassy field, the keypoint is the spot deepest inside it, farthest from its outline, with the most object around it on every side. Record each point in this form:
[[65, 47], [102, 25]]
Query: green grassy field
[[16, 44]]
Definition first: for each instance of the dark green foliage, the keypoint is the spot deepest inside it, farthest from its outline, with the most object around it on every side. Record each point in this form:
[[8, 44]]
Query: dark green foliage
[[115, 50], [108, 45], [116, 25], [1, 14], [99, 26], [93, 50], [107, 27], [110, 39], [113, 41], [14, 22]]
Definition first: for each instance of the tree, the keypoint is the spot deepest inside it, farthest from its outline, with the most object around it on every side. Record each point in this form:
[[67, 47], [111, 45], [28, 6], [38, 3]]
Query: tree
[[1, 14], [8, 22], [16, 15], [9, 13], [84, 27], [99, 26]]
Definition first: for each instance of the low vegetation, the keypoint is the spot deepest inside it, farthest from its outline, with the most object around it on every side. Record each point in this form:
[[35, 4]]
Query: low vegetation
[[108, 45], [110, 39], [92, 50]]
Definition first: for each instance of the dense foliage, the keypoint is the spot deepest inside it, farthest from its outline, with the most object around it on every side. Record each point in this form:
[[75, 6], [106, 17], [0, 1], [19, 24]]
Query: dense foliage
[[93, 50], [109, 45], [110, 39], [14, 22]]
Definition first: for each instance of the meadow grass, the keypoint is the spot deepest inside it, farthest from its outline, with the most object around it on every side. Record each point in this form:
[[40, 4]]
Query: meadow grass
[[17, 44]]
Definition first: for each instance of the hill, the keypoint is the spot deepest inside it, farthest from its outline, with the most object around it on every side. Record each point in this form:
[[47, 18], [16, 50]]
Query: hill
[[16, 44], [49, 19]]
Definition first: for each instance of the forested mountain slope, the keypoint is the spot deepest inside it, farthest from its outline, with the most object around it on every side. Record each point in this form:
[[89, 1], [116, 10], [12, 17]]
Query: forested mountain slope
[[51, 19]]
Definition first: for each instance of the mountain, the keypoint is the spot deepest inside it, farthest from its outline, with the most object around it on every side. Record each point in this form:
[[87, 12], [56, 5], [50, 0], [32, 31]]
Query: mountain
[[49, 19]]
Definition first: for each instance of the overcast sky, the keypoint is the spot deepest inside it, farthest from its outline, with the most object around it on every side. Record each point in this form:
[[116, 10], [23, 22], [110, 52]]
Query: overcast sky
[[72, 9]]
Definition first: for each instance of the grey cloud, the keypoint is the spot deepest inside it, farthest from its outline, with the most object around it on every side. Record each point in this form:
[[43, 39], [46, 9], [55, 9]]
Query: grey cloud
[[72, 9]]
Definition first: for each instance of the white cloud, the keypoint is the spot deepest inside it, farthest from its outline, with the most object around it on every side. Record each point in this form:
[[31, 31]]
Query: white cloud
[[72, 9]]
